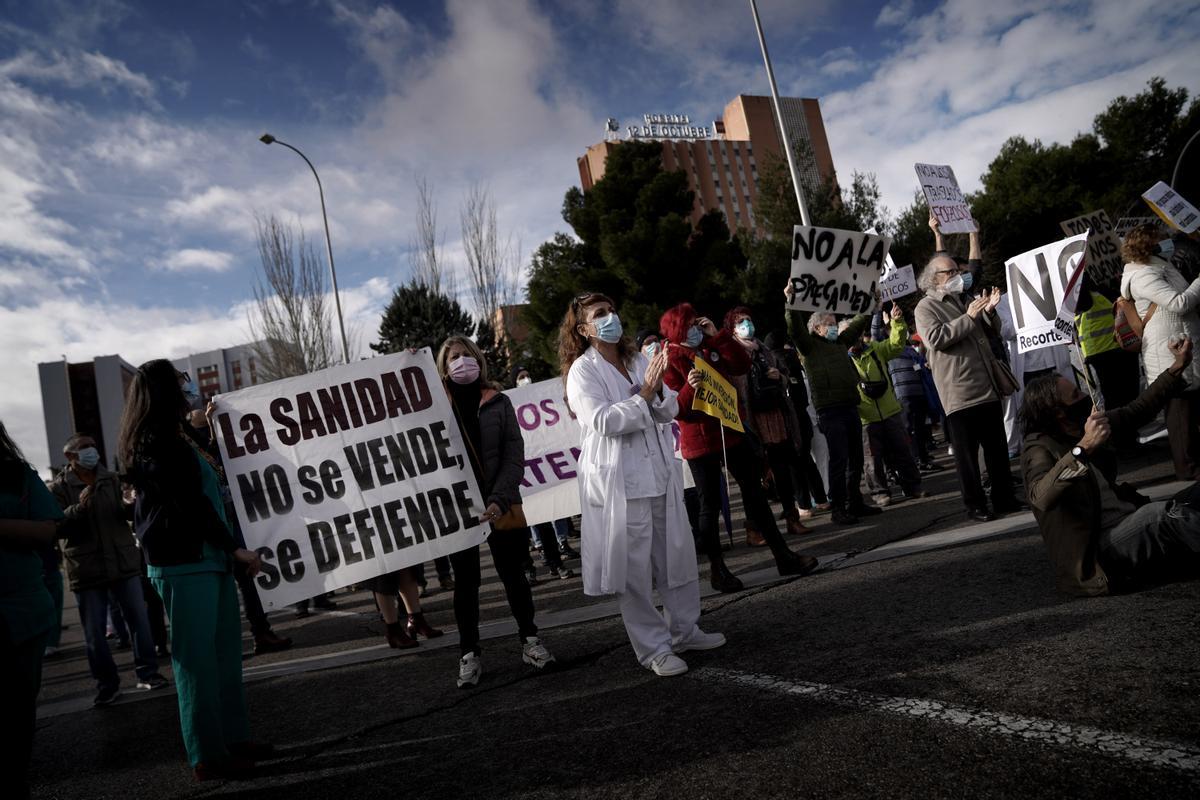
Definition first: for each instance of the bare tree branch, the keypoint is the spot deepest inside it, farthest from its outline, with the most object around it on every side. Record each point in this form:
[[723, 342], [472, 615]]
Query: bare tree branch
[[493, 266], [290, 321], [428, 246]]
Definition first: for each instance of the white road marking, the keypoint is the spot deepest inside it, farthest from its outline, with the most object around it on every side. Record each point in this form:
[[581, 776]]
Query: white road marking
[[1156, 752]]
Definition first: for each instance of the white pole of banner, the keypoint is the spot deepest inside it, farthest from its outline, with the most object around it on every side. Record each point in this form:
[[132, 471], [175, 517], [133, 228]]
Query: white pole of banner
[[725, 469], [787, 142]]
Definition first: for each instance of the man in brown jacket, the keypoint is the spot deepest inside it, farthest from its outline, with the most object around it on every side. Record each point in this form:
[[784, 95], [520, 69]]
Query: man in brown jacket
[[1092, 526]]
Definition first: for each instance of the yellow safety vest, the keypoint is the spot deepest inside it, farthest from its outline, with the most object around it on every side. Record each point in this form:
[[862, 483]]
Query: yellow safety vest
[[1095, 326]]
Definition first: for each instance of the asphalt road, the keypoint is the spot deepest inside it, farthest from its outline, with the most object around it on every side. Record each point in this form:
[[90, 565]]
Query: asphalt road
[[948, 672]]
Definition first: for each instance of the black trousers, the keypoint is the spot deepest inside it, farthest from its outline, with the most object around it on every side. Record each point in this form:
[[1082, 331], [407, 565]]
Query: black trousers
[[547, 539], [969, 429], [1183, 416], [509, 551], [21, 677], [746, 470], [782, 458], [843, 436], [916, 416]]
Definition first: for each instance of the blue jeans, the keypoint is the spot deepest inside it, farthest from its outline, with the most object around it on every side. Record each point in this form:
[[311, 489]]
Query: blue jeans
[[1156, 536], [93, 612]]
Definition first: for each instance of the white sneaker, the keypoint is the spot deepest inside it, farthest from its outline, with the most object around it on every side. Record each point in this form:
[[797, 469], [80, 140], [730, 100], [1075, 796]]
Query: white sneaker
[[470, 668], [699, 640], [668, 664], [534, 653]]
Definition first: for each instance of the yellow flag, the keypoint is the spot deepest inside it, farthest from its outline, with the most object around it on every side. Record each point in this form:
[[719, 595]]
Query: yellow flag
[[716, 397]]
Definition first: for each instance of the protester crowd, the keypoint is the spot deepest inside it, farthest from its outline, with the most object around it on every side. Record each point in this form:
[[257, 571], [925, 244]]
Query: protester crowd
[[160, 541]]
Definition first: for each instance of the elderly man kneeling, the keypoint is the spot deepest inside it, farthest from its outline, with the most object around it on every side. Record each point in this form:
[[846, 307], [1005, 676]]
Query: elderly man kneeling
[[1093, 527]]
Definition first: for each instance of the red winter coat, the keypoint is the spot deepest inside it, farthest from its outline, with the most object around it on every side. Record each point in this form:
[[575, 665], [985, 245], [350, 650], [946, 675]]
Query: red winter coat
[[700, 434]]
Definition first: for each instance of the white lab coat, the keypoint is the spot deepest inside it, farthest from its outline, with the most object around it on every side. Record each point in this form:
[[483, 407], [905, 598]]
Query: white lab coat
[[608, 413]]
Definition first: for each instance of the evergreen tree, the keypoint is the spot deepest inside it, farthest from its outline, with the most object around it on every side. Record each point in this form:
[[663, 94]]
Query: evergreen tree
[[418, 316]]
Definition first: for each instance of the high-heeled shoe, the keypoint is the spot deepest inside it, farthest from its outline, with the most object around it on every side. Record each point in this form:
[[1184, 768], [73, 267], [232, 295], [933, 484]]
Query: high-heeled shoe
[[398, 638], [418, 625]]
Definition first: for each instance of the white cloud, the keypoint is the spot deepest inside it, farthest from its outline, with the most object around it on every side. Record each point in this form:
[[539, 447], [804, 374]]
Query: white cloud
[[973, 73], [894, 13], [77, 70], [199, 259]]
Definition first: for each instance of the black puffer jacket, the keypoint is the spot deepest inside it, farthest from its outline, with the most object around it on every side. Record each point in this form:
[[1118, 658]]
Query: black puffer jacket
[[502, 450]]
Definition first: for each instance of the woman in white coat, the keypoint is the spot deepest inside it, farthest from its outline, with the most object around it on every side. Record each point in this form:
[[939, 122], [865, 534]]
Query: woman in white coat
[[635, 533], [1152, 283]]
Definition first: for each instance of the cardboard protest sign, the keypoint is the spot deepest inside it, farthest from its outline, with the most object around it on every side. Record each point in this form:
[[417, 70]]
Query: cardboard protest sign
[[550, 489], [835, 270], [1126, 224], [1095, 220], [1174, 210], [897, 282], [946, 201], [716, 397], [1038, 283], [1104, 261], [348, 473]]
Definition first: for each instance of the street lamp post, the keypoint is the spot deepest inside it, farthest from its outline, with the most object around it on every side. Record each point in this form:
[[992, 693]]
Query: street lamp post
[[267, 138], [787, 142], [1178, 161]]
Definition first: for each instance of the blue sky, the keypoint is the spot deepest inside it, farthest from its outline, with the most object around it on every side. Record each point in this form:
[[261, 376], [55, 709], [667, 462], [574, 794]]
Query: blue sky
[[130, 170]]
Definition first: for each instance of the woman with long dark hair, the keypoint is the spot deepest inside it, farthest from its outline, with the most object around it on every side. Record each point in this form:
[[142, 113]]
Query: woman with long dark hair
[[497, 454], [635, 531], [29, 517], [180, 521]]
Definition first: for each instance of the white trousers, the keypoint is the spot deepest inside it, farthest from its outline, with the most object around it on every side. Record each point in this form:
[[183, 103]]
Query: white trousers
[[651, 632]]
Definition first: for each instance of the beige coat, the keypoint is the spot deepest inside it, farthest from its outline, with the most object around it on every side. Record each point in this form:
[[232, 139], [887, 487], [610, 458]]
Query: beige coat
[[958, 351]]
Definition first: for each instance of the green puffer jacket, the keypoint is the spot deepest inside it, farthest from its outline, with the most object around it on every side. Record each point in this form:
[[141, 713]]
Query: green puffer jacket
[[831, 374], [875, 369]]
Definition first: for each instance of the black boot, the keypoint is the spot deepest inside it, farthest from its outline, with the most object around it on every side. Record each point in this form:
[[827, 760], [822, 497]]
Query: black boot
[[721, 578], [787, 562]]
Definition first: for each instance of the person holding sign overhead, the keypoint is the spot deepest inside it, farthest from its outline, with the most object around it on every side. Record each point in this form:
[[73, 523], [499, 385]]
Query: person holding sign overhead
[[635, 531], [179, 519], [694, 339], [497, 455]]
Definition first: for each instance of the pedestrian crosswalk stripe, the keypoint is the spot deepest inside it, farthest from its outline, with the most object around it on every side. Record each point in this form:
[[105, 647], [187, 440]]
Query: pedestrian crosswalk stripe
[[1156, 752]]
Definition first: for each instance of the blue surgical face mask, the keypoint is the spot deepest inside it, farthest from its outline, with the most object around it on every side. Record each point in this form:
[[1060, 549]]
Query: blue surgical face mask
[[609, 329], [968, 281], [89, 457], [651, 350], [745, 329], [190, 391], [831, 334], [694, 337]]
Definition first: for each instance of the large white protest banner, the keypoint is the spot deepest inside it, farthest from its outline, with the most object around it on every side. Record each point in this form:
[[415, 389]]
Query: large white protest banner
[[348, 473], [550, 490], [1038, 283], [1104, 261], [835, 270], [1174, 210], [946, 201]]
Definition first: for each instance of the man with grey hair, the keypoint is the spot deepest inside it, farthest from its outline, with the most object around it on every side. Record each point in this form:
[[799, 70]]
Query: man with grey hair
[[955, 328], [834, 382], [103, 560]]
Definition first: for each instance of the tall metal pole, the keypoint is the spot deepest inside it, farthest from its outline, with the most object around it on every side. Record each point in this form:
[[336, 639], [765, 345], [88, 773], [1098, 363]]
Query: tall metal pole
[[787, 142], [267, 138], [1178, 161]]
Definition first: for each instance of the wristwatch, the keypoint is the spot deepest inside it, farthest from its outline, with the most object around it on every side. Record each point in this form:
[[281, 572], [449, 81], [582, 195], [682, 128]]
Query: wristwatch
[[1079, 453]]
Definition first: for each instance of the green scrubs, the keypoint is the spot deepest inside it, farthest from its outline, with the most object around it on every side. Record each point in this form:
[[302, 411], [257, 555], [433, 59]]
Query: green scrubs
[[206, 645], [26, 616]]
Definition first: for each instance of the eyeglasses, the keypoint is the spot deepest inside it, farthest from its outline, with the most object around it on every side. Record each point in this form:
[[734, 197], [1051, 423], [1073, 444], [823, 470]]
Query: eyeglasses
[[950, 272], [183, 376]]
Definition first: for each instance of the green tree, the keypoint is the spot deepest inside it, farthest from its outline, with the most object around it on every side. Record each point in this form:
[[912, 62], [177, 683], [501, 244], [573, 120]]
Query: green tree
[[418, 316], [634, 240]]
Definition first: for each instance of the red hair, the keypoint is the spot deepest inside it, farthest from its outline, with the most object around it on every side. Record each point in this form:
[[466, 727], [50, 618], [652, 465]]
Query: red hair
[[735, 312], [676, 321]]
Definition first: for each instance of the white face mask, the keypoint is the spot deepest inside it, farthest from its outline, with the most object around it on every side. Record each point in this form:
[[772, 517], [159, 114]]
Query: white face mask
[[954, 285], [650, 350], [524, 381]]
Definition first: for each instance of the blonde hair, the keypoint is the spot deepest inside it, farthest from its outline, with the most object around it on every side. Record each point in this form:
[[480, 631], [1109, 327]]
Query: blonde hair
[[443, 359]]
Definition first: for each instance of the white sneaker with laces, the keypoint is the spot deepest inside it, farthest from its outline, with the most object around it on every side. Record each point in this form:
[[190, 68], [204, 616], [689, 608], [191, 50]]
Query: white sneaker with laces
[[699, 640], [534, 653], [470, 668], [668, 664]]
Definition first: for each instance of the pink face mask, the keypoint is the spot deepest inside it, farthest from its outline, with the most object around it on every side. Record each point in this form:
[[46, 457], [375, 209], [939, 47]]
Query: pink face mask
[[464, 370]]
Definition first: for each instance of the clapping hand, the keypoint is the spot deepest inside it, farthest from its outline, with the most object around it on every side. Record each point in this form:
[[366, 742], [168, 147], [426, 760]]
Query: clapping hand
[[652, 382], [976, 307], [993, 299], [694, 378]]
